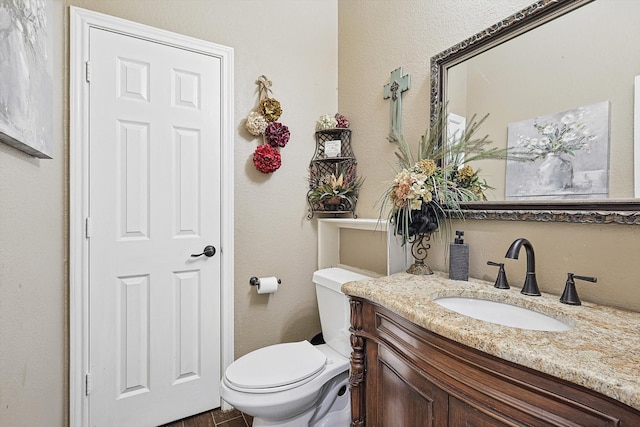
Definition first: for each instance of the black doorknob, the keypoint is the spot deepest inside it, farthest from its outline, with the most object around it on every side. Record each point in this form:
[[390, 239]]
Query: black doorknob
[[208, 251]]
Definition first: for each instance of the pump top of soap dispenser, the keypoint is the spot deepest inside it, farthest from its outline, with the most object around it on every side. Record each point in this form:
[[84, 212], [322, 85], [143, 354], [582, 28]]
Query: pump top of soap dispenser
[[459, 240]]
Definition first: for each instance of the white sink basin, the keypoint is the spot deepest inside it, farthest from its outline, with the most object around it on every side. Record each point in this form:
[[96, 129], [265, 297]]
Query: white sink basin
[[502, 314]]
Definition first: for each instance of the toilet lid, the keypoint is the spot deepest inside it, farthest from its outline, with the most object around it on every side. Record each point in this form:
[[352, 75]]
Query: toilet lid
[[276, 366]]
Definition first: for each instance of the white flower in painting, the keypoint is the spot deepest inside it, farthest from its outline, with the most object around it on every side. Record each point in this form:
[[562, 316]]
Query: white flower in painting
[[565, 136], [548, 129], [568, 119]]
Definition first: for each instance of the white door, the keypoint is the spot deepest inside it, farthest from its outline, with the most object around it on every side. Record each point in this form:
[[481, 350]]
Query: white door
[[154, 190], [456, 126]]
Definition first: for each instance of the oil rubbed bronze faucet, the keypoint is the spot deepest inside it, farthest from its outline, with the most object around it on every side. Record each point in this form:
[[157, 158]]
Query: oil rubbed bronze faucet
[[530, 283]]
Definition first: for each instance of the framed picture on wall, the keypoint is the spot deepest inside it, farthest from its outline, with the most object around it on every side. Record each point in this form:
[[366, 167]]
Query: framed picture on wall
[[333, 148], [26, 93]]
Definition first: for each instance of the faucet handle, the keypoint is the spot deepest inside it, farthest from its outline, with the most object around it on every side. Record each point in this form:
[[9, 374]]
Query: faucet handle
[[570, 295], [501, 280]]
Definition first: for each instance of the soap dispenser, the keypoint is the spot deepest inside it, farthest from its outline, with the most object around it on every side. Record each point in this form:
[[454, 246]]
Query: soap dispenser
[[459, 258]]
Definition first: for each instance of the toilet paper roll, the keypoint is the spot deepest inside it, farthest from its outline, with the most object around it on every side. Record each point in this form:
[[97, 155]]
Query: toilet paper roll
[[268, 285]]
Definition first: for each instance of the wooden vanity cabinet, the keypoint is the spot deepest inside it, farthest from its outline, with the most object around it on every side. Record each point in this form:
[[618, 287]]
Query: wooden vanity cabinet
[[404, 375]]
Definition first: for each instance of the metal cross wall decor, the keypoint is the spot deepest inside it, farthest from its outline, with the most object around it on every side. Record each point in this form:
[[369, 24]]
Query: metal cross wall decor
[[397, 84]]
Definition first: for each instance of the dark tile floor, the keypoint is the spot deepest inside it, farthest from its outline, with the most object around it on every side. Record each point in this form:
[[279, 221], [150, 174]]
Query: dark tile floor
[[215, 418]]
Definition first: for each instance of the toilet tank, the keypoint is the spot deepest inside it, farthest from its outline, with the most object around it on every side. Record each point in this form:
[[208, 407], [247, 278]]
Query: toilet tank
[[333, 306]]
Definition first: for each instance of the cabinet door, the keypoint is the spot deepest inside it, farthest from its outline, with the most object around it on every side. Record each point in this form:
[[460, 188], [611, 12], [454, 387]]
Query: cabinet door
[[464, 415], [406, 398]]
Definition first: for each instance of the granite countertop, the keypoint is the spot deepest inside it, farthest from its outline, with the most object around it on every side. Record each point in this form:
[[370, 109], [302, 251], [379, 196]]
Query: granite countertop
[[601, 352]]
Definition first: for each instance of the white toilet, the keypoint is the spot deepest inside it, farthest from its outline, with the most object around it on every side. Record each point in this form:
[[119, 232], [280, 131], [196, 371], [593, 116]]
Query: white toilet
[[297, 384]]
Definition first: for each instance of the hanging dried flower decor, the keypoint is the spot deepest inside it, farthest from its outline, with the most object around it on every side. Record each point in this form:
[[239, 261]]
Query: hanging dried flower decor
[[263, 122]]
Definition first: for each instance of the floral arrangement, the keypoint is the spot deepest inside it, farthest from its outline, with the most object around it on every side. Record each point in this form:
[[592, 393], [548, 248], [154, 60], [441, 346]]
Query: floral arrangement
[[266, 157], [327, 121], [428, 190], [333, 189], [564, 137]]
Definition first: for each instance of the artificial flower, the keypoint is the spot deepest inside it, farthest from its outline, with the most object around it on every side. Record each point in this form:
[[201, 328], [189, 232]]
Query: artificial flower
[[270, 109], [267, 158], [341, 121], [326, 122], [566, 137], [277, 134], [428, 166], [256, 123]]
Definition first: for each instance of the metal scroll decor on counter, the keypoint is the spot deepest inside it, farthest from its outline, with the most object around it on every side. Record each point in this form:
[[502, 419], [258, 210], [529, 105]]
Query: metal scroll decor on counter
[[333, 181], [420, 250]]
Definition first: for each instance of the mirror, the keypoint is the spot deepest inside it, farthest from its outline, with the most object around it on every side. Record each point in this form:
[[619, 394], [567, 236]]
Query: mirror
[[551, 57]]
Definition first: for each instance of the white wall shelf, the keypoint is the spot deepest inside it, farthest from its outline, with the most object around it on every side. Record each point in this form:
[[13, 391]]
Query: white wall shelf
[[397, 258]]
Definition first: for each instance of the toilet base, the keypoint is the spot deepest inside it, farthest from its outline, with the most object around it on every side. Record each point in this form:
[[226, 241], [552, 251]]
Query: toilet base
[[299, 421], [333, 411]]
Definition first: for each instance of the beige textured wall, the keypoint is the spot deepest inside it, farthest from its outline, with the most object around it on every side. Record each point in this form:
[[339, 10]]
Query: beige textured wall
[[295, 44], [375, 38], [33, 255]]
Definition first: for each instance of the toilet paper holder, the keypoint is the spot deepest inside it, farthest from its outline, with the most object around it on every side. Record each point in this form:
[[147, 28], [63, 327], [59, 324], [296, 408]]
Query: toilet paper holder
[[254, 281]]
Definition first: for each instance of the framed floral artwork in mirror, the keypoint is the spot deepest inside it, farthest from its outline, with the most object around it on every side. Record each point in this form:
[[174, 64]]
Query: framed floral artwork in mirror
[[570, 152]]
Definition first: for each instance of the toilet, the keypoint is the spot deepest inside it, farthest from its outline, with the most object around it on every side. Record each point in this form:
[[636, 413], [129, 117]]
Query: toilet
[[297, 384]]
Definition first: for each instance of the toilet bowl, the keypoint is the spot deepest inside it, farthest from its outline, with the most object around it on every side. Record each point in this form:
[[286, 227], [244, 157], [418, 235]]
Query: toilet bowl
[[298, 384]]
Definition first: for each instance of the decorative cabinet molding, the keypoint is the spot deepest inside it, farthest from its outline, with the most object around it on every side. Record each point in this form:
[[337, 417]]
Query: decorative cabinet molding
[[405, 375], [357, 373]]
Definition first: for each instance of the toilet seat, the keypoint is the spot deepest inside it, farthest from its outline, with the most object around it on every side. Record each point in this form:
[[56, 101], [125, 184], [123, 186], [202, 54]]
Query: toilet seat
[[276, 368]]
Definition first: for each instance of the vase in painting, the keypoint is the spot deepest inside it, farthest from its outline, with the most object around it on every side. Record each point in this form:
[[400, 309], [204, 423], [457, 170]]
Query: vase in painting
[[555, 172]]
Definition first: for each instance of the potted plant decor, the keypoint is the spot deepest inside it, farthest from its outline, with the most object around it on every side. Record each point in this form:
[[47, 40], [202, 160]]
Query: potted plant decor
[[336, 191]]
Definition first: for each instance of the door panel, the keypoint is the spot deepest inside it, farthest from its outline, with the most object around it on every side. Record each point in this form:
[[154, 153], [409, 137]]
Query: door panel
[[154, 172]]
